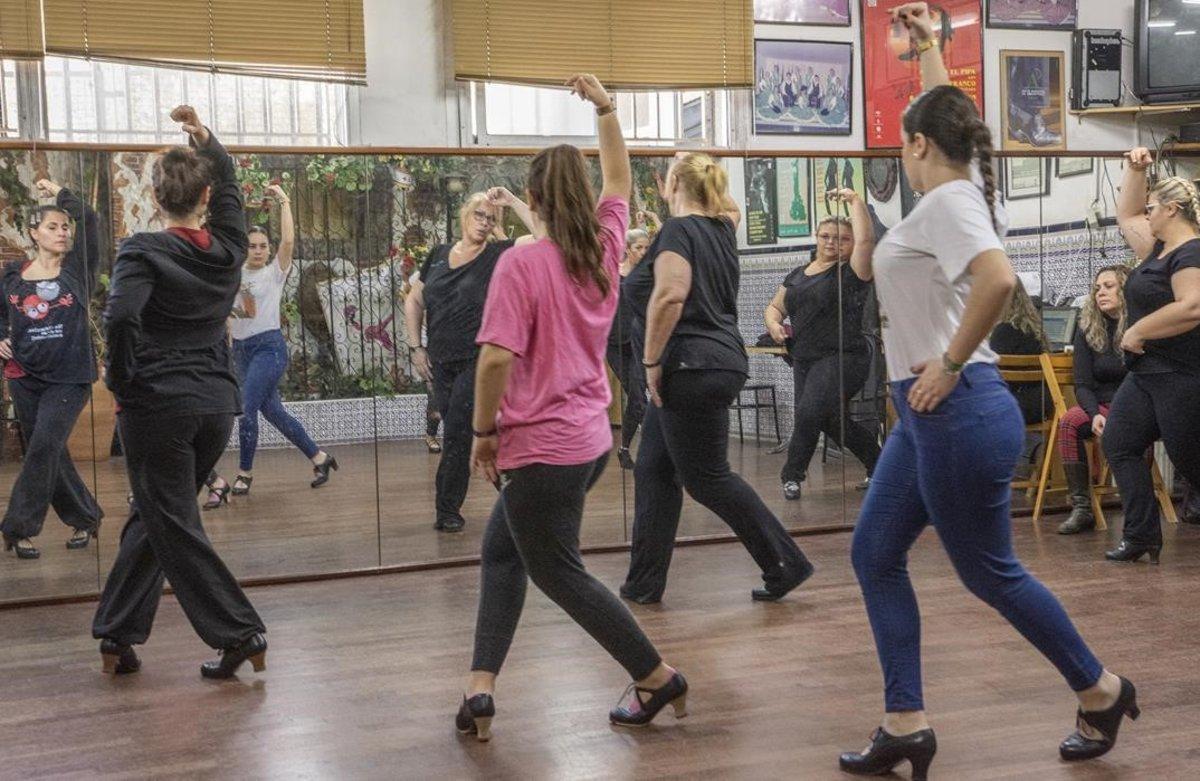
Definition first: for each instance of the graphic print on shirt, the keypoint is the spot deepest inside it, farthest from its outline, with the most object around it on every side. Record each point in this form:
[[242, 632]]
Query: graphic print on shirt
[[245, 306], [36, 306]]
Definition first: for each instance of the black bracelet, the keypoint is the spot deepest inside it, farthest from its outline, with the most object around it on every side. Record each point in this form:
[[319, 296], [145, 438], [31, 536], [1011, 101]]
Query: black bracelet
[[652, 365], [484, 434]]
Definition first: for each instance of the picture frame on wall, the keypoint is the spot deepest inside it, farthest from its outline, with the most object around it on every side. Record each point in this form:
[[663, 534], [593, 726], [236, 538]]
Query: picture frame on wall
[[1065, 167], [1032, 100], [891, 66], [760, 200], [803, 88], [823, 13], [1026, 177], [1033, 14], [831, 174], [793, 202]]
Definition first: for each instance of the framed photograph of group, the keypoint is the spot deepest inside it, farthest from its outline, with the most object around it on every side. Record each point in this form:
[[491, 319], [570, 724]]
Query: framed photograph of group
[[1033, 14], [1026, 177], [1033, 100], [803, 88], [1073, 166], [793, 205], [891, 66], [760, 200], [835, 13]]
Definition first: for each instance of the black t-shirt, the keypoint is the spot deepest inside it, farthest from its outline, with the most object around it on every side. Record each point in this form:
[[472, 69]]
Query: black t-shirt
[[706, 336], [1097, 375], [1147, 290], [622, 326], [811, 303], [1032, 397], [454, 299]]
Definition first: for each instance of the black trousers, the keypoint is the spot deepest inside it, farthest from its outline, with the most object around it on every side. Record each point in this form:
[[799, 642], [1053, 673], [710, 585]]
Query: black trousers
[[168, 461], [821, 404], [1146, 408], [454, 393], [533, 534], [626, 363], [47, 412], [685, 445]]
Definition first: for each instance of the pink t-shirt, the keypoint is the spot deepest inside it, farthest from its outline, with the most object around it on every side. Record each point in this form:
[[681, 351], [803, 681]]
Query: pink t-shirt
[[555, 410]]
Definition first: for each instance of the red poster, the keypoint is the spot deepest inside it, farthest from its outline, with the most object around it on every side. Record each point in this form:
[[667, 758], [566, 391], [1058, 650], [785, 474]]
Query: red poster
[[891, 72]]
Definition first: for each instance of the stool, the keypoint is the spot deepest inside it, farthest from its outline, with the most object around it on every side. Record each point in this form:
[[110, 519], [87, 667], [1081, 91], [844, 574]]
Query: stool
[[757, 405]]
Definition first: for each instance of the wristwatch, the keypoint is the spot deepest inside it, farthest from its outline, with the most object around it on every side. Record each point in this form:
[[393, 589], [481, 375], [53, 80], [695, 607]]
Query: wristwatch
[[925, 46], [603, 110], [950, 367]]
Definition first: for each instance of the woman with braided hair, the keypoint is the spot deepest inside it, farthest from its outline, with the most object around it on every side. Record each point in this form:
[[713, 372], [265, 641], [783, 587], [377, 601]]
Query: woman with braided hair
[[1157, 399], [943, 280]]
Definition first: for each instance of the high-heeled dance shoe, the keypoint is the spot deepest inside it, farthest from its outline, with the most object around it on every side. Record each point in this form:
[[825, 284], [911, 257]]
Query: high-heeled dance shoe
[[322, 469], [1107, 722], [118, 659], [777, 591], [627, 592], [639, 713], [216, 496], [625, 459], [886, 751], [80, 539], [254, 650], [241, 486], [23, 546], [475, 717], [1132, 551]]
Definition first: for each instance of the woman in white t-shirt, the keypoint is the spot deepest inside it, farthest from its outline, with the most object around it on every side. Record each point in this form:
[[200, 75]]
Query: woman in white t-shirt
[[943, 280], [262, 356]]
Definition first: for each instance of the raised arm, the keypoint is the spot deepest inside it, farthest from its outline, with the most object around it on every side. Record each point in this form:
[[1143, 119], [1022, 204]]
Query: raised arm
[[226, 211], [614, 157], [916, 19], [132, 284], [287, 228], [1131, 204], [864, 233], [672, 284], [502, 197], [86, 247], [773, 316]]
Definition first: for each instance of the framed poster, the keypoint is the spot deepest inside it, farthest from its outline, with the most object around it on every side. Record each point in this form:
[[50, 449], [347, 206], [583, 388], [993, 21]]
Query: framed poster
[[834, 13], [803, 88], [760, 200], [1033, 14], [1073, 166], [793, 201], [831, 174], [891, 71], [1026, 177], [1033, 100]]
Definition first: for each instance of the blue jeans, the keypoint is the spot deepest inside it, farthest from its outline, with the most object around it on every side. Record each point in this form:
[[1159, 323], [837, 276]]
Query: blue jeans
[[953, 467], [261, 361]]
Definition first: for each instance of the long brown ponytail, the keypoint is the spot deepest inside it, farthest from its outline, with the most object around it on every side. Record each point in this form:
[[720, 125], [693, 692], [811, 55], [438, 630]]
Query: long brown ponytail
[[561, 193]]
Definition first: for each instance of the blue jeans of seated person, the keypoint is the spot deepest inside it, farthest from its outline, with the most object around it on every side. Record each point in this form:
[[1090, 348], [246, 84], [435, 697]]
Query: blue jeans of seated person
[[953, 468], [261, 361]]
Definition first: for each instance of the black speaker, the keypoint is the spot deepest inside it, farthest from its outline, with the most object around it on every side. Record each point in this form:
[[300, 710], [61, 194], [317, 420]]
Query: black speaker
[[1095, 68]]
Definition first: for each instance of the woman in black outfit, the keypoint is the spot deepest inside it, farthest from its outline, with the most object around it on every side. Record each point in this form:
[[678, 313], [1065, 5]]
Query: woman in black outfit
[[169, 365], [621, 352], [50, 368], [1098, 370], [448, 301], [824, 300], [685, 302], [1019, 332], [1157, 399]]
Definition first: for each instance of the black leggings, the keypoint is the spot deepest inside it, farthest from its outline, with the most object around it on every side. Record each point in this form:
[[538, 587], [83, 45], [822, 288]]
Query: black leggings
[[47, 412], [685, 445], [454, 393], [533, 534], [1146, 408], [627, 365], [821, 405]]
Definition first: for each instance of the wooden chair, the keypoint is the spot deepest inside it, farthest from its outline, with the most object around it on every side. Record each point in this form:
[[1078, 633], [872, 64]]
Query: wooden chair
[[1058, 373], [1028, 368], [1106, 487]]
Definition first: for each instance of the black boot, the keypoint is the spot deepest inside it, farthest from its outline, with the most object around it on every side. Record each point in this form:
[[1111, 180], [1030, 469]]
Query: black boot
[[1079, 488]]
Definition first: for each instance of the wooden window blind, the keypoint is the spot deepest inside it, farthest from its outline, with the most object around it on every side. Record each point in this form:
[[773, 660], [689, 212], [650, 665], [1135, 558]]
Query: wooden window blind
[[20, 29]]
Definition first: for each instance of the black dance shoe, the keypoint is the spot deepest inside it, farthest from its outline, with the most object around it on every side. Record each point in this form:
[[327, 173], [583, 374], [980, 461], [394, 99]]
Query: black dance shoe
[[475, 717], [322, 469], [118, 659], [450, 525], [886, 751], [639, 713], [241, 486], [254, 649], [1132, 551], [80, 539], [776, 592], [627, 592], [1078, 746], [625, 459], [25, 551]]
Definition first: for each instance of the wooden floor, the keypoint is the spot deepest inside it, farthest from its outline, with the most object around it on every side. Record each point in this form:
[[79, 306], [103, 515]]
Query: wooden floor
[[364, 676]]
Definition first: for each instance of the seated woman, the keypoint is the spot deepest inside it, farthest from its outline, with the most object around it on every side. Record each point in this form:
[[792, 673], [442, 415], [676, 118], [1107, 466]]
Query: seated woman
[[1099, 368], [1020, 333], [824, 300]]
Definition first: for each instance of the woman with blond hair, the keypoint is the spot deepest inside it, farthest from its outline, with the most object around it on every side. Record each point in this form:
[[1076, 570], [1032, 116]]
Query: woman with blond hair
[[447, 300], [1157, 399], [1098, 371], [684, 297]]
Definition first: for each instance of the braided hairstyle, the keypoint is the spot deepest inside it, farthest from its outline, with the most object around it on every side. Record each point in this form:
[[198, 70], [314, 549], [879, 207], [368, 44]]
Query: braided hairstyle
[[1181, 192], [948, 118]]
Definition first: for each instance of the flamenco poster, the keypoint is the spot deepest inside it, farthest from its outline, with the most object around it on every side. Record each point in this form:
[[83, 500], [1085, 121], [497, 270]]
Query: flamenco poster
[[892, 76]]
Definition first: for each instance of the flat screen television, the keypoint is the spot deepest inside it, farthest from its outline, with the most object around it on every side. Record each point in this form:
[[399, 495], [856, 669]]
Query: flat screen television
[[1166, 51]]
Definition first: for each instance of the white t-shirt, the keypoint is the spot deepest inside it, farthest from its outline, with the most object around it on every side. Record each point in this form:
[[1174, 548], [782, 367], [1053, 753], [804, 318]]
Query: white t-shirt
[[921, 275], [256, 308]]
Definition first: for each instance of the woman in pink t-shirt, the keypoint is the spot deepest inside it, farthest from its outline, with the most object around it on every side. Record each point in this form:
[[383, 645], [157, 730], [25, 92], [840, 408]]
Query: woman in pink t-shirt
[[541, 421]]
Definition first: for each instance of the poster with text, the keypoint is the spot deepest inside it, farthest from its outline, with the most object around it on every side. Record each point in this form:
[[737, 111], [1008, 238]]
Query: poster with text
[[760, 200], [795, 208], [831, 174], [891, 70]]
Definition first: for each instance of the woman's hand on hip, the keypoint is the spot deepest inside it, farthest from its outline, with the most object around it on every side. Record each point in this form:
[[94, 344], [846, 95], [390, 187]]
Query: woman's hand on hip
[[933, 385], [1132, 341], [778, 335]]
